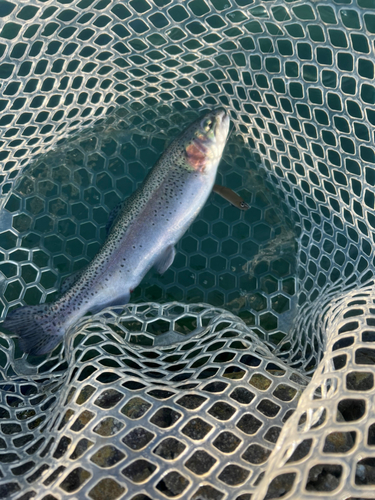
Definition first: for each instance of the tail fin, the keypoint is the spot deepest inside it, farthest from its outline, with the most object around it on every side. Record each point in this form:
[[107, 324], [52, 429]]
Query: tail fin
[[38, 328]]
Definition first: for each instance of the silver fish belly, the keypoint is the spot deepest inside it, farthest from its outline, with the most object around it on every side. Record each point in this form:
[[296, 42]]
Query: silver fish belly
[[142, 236]]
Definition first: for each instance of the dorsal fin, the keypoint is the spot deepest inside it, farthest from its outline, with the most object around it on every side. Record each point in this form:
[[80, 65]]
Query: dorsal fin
[[113, 215]]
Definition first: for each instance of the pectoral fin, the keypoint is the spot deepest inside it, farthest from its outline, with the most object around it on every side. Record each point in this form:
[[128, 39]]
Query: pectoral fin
[[165, 260], [231, 196]]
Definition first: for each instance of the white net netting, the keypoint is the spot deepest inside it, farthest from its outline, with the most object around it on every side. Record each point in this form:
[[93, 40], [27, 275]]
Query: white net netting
[[210, 397]]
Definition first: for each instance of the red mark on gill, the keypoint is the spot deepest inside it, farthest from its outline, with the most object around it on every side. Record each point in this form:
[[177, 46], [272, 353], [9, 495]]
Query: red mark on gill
[[195, 157]]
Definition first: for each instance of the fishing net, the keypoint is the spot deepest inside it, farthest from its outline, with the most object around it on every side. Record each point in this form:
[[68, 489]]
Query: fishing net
[[247, 369]]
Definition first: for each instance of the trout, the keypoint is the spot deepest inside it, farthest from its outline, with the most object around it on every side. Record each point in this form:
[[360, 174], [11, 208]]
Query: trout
[[142, 235]]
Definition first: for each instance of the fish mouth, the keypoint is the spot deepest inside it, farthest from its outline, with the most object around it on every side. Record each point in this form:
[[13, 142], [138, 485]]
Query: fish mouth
[[221, 115], [222, 124]]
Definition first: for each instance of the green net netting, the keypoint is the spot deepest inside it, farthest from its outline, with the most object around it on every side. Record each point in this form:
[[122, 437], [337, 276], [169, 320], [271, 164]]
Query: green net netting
[[247, 370]]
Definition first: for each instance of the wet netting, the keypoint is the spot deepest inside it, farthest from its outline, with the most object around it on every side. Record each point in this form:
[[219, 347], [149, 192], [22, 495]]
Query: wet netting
[[247, 369]]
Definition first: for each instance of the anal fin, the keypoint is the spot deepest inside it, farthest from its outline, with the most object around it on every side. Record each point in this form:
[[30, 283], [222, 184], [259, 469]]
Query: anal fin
[[121, 300], [165, 260]]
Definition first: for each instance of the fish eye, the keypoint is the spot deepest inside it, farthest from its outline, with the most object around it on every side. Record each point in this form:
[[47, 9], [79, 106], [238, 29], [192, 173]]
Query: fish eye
[[208, 125]]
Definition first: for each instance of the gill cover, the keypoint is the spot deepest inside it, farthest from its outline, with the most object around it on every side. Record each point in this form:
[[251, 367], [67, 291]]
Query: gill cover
[[198, 149]]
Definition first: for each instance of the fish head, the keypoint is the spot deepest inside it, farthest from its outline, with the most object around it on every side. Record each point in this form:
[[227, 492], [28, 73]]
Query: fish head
[[205, 140]]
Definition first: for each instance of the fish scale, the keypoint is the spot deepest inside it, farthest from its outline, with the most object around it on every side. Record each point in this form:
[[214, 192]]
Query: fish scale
[[142, 235]]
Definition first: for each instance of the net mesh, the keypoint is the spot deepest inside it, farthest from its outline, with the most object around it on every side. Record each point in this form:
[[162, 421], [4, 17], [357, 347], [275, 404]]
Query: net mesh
[[181, 400]]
